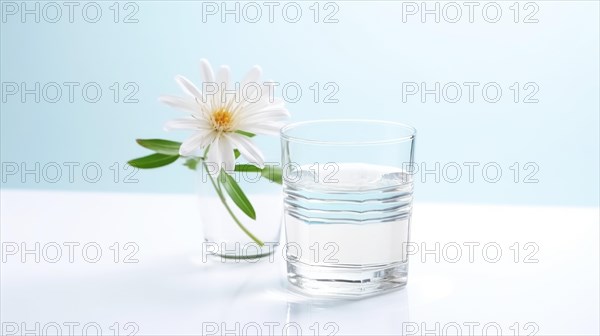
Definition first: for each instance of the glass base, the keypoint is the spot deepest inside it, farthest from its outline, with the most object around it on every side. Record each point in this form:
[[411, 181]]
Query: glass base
[[346, 281], [238, 251]]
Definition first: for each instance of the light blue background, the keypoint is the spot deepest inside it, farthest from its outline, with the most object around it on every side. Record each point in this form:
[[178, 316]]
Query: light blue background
[[368, 53]]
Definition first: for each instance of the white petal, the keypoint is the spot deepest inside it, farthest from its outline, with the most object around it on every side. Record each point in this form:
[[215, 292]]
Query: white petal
[[189, 87], [186, 104], [227, 155], [187, 123], [198, 140], [259, 120], [222, 82], [263, 128], [279, 102], [223, 75], [246, 92], [248, 150], [207, 71], [252, 77], [213, 158], [265, 96], [274, 113], [245, 107], [220, 155], [180, 103], [248, 108]]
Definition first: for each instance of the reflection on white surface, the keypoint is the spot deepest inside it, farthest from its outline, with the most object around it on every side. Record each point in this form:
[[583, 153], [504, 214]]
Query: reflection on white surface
[[169, 292], [434, 287], [380, 315]]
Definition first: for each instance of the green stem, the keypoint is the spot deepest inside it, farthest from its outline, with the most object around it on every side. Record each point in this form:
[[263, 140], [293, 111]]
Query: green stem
[[235, 219]]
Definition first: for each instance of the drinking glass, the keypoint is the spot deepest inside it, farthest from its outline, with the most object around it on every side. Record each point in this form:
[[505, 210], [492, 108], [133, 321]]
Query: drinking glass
[[347, 205]]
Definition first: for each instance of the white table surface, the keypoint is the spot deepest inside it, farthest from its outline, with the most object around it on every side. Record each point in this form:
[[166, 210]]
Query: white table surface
[[170, 291]]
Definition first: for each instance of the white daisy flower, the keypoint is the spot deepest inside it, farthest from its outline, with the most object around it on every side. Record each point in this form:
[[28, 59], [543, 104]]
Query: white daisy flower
[[219, 120]]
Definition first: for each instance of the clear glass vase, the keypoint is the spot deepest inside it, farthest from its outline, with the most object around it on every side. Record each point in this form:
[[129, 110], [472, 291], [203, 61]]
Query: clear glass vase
[[229, 241]]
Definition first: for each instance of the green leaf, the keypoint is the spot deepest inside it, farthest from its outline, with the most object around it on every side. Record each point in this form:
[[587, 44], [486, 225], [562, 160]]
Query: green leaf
[[237, 195], [192, 163], [247, 168], [271, 172], [153, 161], [236, 153], [160, 146], [248, 134]]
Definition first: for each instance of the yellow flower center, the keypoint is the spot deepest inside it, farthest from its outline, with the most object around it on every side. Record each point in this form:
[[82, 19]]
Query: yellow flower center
[[222, 119]]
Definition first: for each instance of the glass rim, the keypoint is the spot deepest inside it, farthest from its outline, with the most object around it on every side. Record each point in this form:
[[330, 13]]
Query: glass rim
[[285, 130]]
